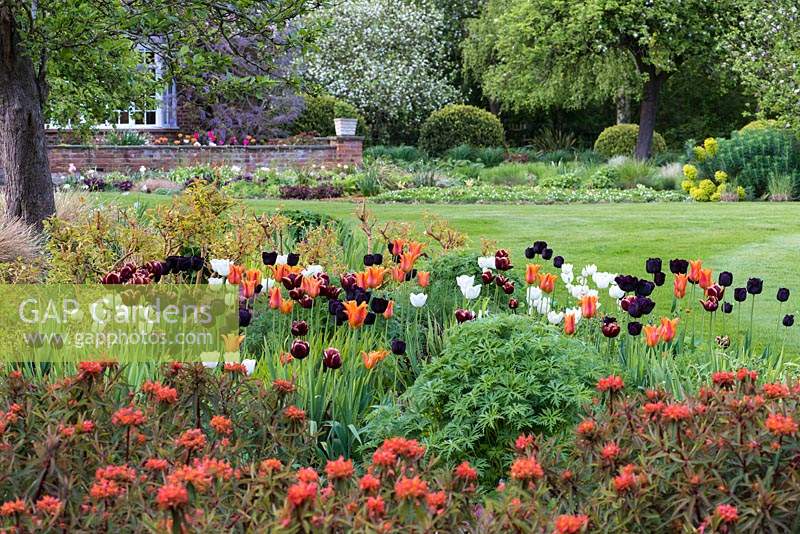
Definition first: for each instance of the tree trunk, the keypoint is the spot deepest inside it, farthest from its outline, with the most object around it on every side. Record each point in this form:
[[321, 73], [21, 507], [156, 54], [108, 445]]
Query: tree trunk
[[23, 147], [647, 113], [623, 103]]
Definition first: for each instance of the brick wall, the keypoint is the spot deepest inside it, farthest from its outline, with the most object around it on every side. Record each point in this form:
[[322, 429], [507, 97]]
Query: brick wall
[[329, 151]]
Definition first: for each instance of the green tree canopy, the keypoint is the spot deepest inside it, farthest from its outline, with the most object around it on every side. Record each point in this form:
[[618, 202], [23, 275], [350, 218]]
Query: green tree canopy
[[570, 53]]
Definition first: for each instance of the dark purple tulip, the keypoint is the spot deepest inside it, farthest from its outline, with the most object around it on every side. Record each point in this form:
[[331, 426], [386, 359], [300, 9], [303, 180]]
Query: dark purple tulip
[[513, 304], [508, 288], [245, 316], [377, 258], [627, 282], [710, 304], [725, 279], [299, 349], [500, 280], [111, 278], [653, 265], [292, 259], [411, 275], [196, 263], [716, 291], [398, 346], [369, 320], [186, 263], [659, 278], [558, 261], [529, 253], [539, 247], [369, 260], [611, 329], [331, 358], [645, 288], [299, 328], [348, 281], [783, 294], [464, 315], [547, 253], [296, 294], [755, 286], [727, 307], [379, 305], [306, 302], [332, 292], [341, 317], [269, 258], [788, 320], [640, 306], [740, 294], [503, 263], [334, 306], [634, 328], [678, 266], [487, 277]]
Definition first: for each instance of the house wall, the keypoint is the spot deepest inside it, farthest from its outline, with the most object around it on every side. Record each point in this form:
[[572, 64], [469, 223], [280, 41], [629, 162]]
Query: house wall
[[329, 151]]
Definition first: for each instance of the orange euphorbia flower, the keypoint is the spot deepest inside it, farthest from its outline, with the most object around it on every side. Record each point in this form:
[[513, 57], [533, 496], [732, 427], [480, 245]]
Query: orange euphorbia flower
[[532, 273], [680, 285], [275, 299], [589, 306], [235, 274], [547, 282], [705, 280], [310, 285], [651, 335], [356, 313], [389, 310], [373, 358], [569, 324], [248, 288], [668, 329], [287, 306], [695, 266], [424, 278], [398, 275], [254, 275]]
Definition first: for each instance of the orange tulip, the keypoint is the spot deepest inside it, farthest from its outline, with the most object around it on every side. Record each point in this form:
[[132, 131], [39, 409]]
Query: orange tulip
[[373, 358], [695, 266], [569, 324], [705, 280], [389, 312], [532, 273], [589, 306], [235, 274], [310, 286], [281, 270], [652, 335], [275, 299], [397, 246], [547, 282], [424, 278], [407, 261], [287, 306], [375, 276], [680, 285], [398, 275], [253, 275], [248, 288], [668, 329], [356, 313], [415, 248]]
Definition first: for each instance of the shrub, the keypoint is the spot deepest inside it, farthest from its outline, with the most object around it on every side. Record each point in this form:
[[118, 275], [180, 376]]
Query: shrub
[[750, 158], [509, 174], [308, 192], [620, 140], [456, 125], [319, 113], [18, 241], [605, 177], [404, 153], [125, 138], [489, 157], [566, 180], [496, 377], [760, 124]]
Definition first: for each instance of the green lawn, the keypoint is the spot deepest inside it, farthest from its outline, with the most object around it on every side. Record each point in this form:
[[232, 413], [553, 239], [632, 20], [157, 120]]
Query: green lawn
[[749, 239]]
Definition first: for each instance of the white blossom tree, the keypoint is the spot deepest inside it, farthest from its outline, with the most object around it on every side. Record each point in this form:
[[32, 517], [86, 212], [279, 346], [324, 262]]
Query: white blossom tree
[[388, 58]]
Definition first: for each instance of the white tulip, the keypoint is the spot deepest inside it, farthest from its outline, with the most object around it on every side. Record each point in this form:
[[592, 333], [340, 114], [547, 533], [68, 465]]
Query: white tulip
[[221, 267], [579, 291], [465, 281], [142, 169], [566, 268], [567, 277], [555, 317], [282, 260], [589, 270], [72, 168], [534, 294], [418, 300], [210, 365], [215, 282], [543, 305], [270, 283], [486, 262], [311, 270], [471, 292], [249, 366], [615, 292], [602, 280], [236, 169]]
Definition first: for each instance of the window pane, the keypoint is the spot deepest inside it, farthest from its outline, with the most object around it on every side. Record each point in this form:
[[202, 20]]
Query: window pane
[[150, 117], [124, 117]]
